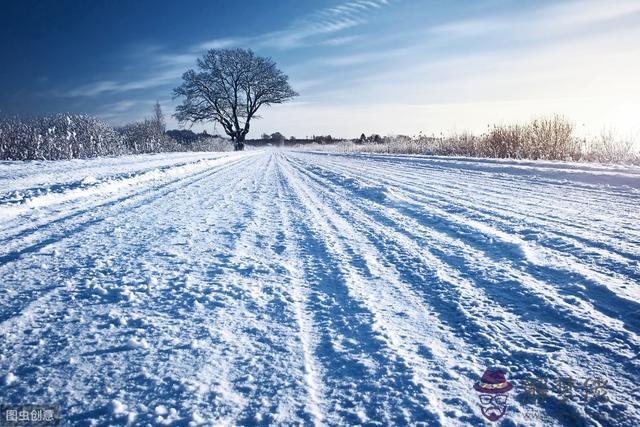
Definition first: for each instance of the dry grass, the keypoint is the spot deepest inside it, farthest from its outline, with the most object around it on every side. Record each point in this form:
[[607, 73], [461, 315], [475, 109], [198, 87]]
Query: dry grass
[[550, 138]]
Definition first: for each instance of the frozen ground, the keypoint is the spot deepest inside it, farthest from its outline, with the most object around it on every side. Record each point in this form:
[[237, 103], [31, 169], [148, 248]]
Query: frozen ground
[[297, 288]]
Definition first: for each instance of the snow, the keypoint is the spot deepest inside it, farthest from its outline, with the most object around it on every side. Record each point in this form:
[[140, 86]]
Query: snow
[[117, 407], [161, 410], [88, 180], [284, 287], [9, 379], [133, 344]]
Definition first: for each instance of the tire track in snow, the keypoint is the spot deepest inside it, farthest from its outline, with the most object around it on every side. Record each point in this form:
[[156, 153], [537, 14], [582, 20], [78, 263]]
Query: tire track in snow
[[140, 229], [409, 328], [472, 196], [329, 185], [541, 263], [402, 222], [274, 356], [210, 391], [107, 220], [299, 293], [237, 332], [26, 296], [433, 191], [611, 295], [268, 362], [38, 296], [21, 176], [370, 216], [506, 173], [28, 232], [513, 337], [363, 382]]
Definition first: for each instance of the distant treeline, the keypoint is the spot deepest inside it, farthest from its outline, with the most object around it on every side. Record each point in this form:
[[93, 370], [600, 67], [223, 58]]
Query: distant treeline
[[67, 136], [279, 140]]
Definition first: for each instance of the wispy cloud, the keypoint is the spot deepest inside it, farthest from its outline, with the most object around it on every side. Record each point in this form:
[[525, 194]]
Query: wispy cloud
[[166, 67], [339, 41], [128, 110], [384, 56], [324, 22], [220, 43], [109, 86], [482, 39], [121, 106], [92, 89], [115, 111], [553, 20], [310, 29]]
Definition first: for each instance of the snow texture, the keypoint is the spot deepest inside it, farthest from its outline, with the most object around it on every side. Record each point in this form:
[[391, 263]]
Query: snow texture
[[283, 287]]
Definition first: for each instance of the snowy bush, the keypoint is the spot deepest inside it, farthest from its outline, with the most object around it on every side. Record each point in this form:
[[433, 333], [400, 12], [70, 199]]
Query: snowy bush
[[63, 136], [606, 147], [57, 137], [146, 137]]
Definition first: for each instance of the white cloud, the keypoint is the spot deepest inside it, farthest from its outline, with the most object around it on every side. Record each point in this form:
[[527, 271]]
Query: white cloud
[[131, 110], [92, 89], [220, 43], [121, 106], [176, 59], [339, 41], [363, 58], [553, 20], [108, 86]]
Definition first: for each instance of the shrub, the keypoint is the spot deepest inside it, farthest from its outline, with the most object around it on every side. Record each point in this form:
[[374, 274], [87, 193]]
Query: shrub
[[146, 137], [57, 137], [63, 136], [607, 148], [549, 138], [504, 141]]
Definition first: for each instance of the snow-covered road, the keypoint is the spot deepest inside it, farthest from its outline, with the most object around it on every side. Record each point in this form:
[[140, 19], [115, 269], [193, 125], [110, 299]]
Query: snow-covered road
[[281, 287]]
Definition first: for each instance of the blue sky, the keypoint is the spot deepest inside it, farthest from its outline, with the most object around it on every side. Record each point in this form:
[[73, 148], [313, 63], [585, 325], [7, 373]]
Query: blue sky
[[385, 66]]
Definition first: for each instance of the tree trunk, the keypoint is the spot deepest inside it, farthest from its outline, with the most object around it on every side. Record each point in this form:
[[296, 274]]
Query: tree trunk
[[238, 145]]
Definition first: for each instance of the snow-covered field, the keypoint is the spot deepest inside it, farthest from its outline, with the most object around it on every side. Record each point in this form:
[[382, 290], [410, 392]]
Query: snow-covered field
[[281, 287]]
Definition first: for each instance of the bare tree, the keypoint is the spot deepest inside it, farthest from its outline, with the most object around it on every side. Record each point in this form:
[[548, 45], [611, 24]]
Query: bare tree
[[158, 118], [228, 88]]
